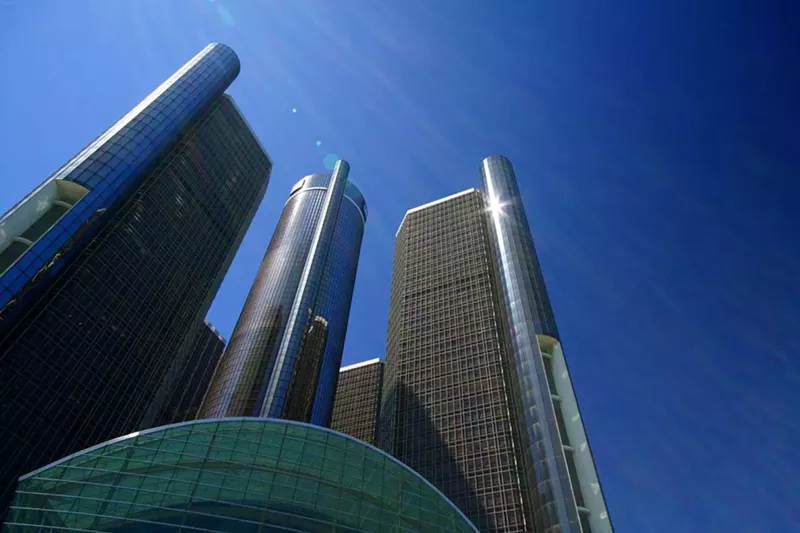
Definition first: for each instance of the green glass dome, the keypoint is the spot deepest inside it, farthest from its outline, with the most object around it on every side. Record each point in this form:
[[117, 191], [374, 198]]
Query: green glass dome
[[232, 475]]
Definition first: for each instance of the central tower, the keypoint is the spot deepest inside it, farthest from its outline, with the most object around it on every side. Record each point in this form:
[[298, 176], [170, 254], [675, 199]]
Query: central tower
[[290, 334]]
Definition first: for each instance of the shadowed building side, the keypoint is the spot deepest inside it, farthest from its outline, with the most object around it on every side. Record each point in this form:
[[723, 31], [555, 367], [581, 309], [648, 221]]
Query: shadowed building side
[[566, 495], [357, 405], [192, 377], [36, 235]]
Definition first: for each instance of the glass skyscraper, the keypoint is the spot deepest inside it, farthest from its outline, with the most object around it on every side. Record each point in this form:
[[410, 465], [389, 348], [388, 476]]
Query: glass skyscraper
[[446, 406], [289, 338], [108, 267], [477, 396], [358, 400], [190, 378]]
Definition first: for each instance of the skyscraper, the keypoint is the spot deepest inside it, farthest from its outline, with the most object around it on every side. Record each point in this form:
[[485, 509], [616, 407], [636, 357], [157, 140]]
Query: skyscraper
[[307, 275], [305, 373], [191, 377], [358, 400], [109, 266], [555, 449], [477, 396], [446, 406]]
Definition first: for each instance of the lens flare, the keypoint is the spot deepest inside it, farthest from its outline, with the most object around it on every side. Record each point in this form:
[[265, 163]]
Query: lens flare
[[495, 205], [225, 16], [330, 161]]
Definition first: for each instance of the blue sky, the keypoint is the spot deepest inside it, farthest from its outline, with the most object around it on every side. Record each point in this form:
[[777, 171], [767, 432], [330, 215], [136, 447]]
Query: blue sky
[[657, 151]]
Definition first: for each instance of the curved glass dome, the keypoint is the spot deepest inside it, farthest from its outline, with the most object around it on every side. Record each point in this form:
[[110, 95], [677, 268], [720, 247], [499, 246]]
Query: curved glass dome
[[232, 475]]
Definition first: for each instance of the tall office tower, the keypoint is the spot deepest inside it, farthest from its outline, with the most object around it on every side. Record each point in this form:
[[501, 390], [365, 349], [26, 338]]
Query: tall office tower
[[566, 495], [446, 406], [307, 273], [477, 396], [358, 400], [108, 267], [192, 376]]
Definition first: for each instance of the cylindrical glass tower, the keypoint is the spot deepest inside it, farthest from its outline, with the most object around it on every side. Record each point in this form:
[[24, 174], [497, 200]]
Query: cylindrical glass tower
[[566, 497], [240, 384], [305, 301]]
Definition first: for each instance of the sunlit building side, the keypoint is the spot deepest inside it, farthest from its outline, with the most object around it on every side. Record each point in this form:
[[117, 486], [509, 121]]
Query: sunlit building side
[[446, 405], [232, 475], [566, 495], [477, 396], [192, 376]]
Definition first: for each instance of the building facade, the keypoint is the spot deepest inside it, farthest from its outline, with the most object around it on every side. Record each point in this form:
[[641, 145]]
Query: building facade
[[306, 274], [232, 475], [112, 263], [566, 495], [356, 408], [446, 406], [476, 396], [192, 377]]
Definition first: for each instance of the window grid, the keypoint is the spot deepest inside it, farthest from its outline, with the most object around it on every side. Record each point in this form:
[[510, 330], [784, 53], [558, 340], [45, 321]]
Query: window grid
[[357, 403], [94, 356], [234, 474], [193, 377], [445, 410]]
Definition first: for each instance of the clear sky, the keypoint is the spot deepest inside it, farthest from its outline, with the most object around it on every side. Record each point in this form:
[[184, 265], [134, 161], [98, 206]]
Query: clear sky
[[657, 150]]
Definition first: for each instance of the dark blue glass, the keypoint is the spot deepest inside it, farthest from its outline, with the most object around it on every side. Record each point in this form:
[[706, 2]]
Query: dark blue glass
[[88, 341], [240, 383], [136, 129], [529, 315]]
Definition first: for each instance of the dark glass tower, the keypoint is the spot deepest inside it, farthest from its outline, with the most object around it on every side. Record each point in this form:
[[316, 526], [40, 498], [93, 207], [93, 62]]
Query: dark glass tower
[[192, 376], [109, 266], [477, 396], [307, 273], [358, 400]]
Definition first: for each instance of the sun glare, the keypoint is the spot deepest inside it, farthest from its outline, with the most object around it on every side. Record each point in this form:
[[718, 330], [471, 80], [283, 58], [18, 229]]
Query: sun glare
[[495, 205]]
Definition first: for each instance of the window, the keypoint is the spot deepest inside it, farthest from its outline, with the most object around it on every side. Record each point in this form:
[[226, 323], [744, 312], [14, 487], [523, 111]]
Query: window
[[33, 218]]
